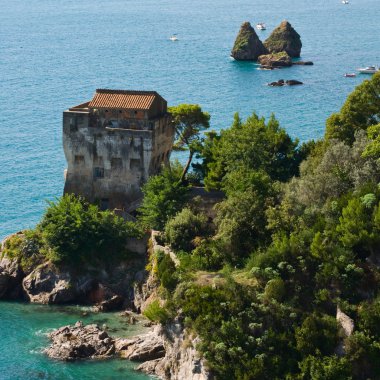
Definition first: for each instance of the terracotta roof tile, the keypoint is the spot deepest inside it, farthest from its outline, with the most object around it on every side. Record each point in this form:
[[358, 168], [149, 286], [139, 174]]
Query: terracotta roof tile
[[123, 99]]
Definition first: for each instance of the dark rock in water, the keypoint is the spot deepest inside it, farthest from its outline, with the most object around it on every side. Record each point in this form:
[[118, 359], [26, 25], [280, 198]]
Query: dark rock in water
[[248, 46], [303, 63], [293, 82], [279, 83], [284, 38], [275, 60], [80, 342]]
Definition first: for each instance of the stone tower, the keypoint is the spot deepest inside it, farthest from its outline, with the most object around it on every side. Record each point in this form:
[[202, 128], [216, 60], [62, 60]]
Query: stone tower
[[113, 143]]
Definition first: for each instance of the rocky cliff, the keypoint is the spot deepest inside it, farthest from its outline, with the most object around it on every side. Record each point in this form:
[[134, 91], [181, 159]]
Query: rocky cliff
[[248, 46], [284, 38], [109, 287]]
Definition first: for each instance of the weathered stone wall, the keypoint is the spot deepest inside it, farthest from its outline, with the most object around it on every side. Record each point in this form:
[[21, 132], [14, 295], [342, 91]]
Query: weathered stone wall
[[108, 164]]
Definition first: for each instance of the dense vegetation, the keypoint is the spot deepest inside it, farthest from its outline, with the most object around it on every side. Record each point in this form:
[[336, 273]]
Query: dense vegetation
[[259, 278], [296, 237], [73, 231]]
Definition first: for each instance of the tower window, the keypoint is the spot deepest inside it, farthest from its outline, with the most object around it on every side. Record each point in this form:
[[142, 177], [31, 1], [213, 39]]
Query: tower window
[[135, 164], [78, 160], [116, 163], [98, 172]]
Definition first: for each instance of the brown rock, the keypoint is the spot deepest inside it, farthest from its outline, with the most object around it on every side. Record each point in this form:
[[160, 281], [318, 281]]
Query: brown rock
[[248, 46], [284, 38], [275, 60], [80, 342]]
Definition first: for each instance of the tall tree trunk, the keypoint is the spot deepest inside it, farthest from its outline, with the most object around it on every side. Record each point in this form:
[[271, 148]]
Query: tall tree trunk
[[187, 166]]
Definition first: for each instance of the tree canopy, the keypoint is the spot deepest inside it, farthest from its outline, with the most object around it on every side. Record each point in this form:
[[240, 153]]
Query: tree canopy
[[189, 121], [360, 111]]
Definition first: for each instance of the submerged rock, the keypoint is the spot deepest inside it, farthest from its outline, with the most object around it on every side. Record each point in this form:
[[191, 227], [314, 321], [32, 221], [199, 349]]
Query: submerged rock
[[248, 46], [303, 63], [284, 38], [80, 342], [293, 82], [279, 83], [275, 60]]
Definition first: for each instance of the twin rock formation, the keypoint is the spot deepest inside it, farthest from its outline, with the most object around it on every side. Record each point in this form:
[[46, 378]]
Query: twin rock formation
[[283, 44]]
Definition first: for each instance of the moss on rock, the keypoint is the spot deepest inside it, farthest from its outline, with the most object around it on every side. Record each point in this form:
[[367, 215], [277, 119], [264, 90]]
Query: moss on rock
[[248, 46], [284, 38], [281, 59]]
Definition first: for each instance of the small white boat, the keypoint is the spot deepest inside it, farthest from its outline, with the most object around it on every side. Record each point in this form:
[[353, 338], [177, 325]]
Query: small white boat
[[261, 26], [368, 70], [345, 2], [350, 75], [173, 38]]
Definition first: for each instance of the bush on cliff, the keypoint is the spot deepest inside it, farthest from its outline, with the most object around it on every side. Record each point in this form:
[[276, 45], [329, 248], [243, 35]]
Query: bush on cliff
[[181, 231], [164, 196], [76, 232], [311, 231], [26, 247]]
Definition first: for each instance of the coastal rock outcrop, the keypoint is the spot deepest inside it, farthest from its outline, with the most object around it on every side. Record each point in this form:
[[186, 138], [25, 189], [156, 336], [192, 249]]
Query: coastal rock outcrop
[[167, 352], [11, 273], [70, 343], [11, 276], [275, 60], [284, 38], [47, 285], [248, 46], [145, 347]]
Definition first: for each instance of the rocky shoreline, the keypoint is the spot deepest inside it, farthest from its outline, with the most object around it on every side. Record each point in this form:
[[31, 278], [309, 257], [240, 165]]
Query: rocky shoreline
[[108, 288], [167, 352]]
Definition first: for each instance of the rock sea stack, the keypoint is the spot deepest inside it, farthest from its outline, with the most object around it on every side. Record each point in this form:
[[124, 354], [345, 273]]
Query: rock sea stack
[[281, 59], [284, 38], [248, 46]]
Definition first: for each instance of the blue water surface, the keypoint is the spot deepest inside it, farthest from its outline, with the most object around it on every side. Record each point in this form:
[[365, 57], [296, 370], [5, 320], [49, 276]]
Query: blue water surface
[[23, 336], [54, 54]]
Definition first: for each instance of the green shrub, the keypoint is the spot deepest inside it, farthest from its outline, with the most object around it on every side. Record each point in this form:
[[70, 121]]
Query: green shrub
[[27, 248], [208, 255], [317, 334], [325, 368], [77, 232], [166, 272], [155, 313], [181, 231], [275, 289], [164, 196]]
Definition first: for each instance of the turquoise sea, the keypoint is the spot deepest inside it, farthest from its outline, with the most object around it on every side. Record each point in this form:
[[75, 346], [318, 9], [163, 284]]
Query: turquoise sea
[[23, 330], [54, 54]]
